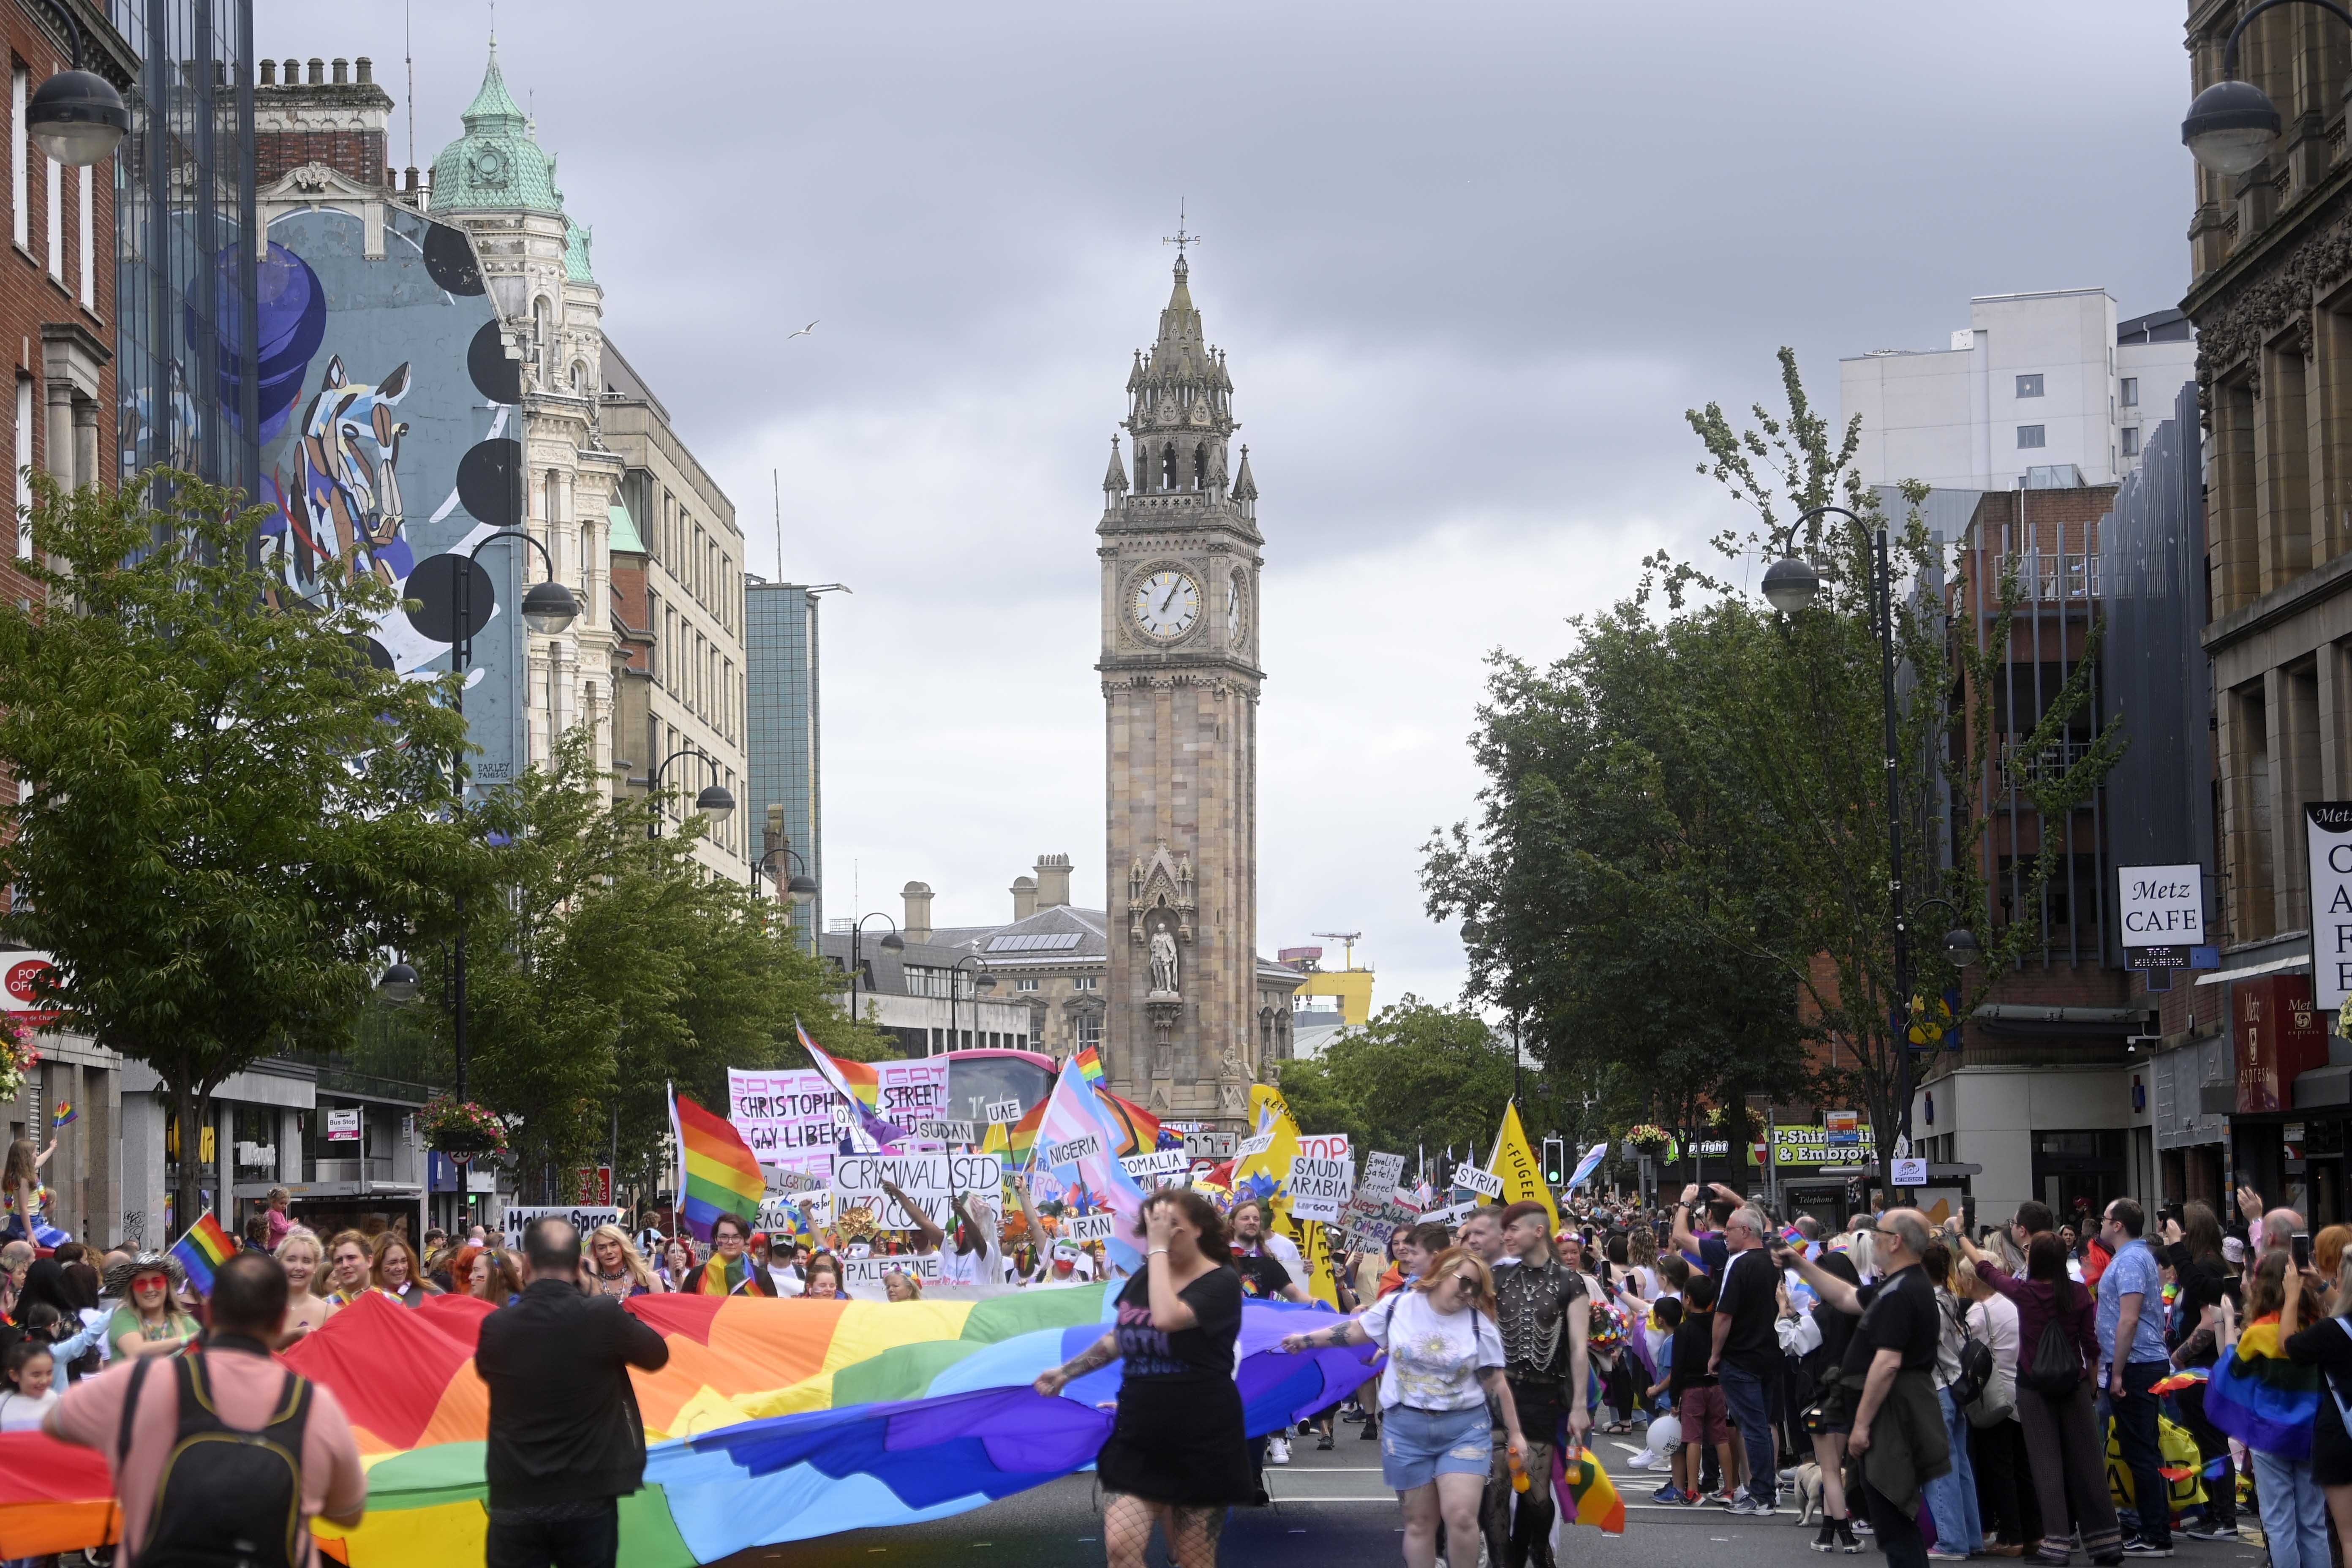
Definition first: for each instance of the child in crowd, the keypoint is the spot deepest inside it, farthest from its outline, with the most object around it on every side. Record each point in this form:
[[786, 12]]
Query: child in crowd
[[29, 1392], [1698, 1400]]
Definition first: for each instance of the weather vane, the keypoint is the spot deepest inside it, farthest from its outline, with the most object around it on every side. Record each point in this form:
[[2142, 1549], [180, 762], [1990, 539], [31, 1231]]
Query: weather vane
[[1180, 239]]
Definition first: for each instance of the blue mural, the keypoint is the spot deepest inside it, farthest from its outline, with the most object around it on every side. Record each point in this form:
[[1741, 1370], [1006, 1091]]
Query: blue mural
[[390, 413]]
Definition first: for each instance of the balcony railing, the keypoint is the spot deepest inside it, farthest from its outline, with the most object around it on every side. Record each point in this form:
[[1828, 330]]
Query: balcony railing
[[2060, 575], [2022, 769]]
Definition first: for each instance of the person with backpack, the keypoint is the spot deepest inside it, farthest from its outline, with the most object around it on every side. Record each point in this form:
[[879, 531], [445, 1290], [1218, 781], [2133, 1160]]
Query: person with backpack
[[2058, 1356], [566, 1440], [1963, 1367], [186, 1496], [2260, 1395]]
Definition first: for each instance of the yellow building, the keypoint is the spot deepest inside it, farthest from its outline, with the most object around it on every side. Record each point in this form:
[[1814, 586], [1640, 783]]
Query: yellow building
[[1349, 987]]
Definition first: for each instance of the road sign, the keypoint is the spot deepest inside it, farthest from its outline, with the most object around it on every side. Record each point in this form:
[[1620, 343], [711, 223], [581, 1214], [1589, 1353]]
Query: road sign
[[592, 1184], [1211, 1146]]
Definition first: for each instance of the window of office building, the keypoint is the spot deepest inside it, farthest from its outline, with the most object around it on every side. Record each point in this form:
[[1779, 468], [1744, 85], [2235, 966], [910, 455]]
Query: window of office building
[[2131, 392], [1089, 1031], [1024, 986], [2029, 385], [2131, 441], [1087, 983], [2032, 436]]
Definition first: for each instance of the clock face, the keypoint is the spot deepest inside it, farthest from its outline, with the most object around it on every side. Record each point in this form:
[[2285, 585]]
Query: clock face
[[1233, 610], [1166, 603]]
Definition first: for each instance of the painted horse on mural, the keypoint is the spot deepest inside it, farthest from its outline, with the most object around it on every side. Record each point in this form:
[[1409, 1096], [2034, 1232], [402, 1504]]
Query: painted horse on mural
[[344, 506]]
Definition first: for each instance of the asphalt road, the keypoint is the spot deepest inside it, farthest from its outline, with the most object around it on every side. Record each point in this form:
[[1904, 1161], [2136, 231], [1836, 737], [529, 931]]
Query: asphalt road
[[1331, 1512]]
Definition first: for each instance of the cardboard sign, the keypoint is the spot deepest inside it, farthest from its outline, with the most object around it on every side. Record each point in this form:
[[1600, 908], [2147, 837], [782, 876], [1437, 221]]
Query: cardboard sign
[[1257, 1145], [1320, 1184], [1383, 1171], [782, 1179], [1086, 1146], [1004, 1112], [794, 1119], [1452, 1214], [932, 1180], [868, 1272], [948, 1131], [1325, 1145], [1083, 1228], [585, 1218], [776, 1219], [1486, 1183], [1160, 1163]]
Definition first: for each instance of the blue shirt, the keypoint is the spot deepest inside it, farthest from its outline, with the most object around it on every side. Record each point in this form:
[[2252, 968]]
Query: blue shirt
[[2134, 1271]]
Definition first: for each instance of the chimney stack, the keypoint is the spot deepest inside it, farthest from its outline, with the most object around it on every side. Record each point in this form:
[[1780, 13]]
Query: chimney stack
[[1053, 881], [365, 68], [918, 925], [1024, 896], [343, 73], [269, 73], [318, 71]]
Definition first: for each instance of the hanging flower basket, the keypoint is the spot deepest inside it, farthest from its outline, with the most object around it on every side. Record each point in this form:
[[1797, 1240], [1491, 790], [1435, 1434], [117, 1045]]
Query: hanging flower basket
[[1648, 1138], [461, 1128], [16, 1059]]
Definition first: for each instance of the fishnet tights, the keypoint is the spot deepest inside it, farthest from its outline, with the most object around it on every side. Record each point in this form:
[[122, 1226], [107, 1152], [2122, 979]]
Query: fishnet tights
[[1191, 1532]]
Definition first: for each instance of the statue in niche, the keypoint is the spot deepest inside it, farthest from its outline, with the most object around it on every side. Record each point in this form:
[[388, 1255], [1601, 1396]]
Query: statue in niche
[[1166, 972]]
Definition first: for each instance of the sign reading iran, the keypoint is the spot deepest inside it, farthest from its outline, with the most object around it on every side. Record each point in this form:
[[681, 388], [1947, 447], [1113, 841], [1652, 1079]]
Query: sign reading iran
[[2163, 913], [1084, 1227], [2330, 836], [1322, 1177]]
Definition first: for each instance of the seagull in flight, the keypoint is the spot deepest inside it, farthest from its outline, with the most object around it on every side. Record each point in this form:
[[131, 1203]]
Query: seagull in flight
[[801, 333]]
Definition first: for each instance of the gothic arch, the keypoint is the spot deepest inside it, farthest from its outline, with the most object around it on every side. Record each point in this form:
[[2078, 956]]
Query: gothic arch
[[1168, 467], [1200, 466]]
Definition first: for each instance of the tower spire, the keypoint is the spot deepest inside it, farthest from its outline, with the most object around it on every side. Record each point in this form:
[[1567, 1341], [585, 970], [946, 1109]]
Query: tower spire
[[1115, 480]]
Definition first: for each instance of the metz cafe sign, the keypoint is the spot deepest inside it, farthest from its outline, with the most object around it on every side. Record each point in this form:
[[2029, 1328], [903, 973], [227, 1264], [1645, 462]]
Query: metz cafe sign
[[2163, 912]]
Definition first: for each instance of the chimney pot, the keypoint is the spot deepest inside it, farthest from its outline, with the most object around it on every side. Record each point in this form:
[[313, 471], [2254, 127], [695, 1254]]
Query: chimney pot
[[318, 71], [918, 924], [1024, 898], [293, 73], [269, 73], [1053, 881], [411, 172], [343, 72], [391, 178], [366, 68]]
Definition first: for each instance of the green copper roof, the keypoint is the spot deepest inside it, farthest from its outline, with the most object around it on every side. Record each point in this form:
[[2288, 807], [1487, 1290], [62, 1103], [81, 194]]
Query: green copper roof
[[576, 241], [496, 165], [622, 531]]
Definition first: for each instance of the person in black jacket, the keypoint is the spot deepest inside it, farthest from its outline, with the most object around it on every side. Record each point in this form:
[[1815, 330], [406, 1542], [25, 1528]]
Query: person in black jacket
[[566, 1442]]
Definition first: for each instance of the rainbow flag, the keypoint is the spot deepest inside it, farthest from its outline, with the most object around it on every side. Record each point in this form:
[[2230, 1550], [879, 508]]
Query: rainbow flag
[[722, 1277], [1138, 1126], [1089, 1062], [1022, 1140], [205, 1248], [2263, 1399], [716, 1172], [861, 1086], [1585, 1493], [67, 1111]]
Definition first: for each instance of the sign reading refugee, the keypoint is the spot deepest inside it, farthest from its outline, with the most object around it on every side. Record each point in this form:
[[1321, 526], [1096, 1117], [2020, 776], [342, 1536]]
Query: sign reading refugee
[[2330, 836], [932, 1180], [2162, 912]]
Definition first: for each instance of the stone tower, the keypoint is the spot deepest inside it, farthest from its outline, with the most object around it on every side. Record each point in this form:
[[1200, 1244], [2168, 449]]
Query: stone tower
[[1180, 680]]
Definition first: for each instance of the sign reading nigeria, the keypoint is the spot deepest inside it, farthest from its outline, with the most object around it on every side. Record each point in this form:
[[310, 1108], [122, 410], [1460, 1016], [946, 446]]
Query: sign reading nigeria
[[2162, 912], [2329, 831]]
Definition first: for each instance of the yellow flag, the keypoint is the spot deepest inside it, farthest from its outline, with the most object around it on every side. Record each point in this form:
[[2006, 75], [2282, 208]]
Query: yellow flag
[[1314, 1242], [1270, 1113], [1515, 1162]]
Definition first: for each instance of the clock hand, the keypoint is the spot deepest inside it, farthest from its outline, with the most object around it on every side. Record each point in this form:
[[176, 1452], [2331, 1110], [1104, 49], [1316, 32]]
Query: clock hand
[[1168, 600]]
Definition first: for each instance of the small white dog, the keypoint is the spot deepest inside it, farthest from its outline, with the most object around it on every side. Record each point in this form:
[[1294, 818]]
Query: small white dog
[[1808, 1491]]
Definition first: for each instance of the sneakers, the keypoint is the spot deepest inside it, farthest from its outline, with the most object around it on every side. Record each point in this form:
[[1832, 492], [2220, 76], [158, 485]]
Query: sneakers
[[2136, 1547], [1748, 1508], [1667, 1493], [1692, 1499], [1277, 1451], [2204, 1529], [1324, 1441], [1826, 1541], [1938, 1554], [1372, 1431], [1846, 1542], [1859, 1526]]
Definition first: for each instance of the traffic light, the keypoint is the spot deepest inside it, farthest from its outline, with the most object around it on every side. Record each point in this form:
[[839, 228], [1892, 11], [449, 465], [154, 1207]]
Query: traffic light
[[1554, 1162]]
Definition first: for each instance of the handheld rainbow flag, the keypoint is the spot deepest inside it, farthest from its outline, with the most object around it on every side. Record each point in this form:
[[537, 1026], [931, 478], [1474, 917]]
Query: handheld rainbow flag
[[67, 1111], [1141, 1128], [2261, 1398], [1585, 1493], [716, 1171], [861, 1087], [205, 1248], [1089, 1062]]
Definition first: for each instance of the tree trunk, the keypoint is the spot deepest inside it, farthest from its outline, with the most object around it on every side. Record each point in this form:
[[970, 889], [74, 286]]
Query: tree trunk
[[191, 1107]]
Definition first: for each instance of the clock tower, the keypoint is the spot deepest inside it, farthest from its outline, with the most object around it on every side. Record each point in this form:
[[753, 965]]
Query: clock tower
[[1179, 681]]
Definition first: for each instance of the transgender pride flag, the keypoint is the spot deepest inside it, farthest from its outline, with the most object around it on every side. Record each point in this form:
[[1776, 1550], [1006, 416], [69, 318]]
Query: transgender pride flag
[[1079, 1126]]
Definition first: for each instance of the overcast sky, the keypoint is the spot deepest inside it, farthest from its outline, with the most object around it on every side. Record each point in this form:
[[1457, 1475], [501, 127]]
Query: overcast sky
[[1470, 263]]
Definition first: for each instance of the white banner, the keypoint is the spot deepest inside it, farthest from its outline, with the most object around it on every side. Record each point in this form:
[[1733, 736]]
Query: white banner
[[1160, 1163], [1086, 1146], [583, 1220], [1382, 1172], [933, 1181], [1002, 1111], [1319, 1184], [1087, 1227], [1486, 1183], [794, 1119], [865, 1273], [2330, 835]]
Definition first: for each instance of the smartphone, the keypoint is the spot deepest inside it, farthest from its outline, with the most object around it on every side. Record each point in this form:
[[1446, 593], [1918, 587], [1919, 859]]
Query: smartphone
[[2302, 1249]]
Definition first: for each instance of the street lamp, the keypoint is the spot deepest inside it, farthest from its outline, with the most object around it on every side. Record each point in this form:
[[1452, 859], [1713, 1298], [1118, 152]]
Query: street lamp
[[891, 943], [801, 884], [75, 116], [2232, 124], [1791, 585], [399, 983], [715, 802], [986, 982]]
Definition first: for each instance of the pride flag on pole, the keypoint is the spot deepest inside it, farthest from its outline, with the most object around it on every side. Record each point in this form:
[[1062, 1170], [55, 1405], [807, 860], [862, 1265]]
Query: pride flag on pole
[[861, 1087], [1078, 1125], [1586, 1167], [204, 1249], [716, 1171]]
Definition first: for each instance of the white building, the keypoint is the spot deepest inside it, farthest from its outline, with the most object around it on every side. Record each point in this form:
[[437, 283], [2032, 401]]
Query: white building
[[2040, 389]]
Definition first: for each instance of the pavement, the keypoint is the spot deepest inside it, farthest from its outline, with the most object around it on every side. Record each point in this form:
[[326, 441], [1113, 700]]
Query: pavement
[[1330, 1510]]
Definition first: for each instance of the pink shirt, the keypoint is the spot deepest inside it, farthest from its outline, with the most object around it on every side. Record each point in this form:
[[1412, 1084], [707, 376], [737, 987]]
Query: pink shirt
[[247, 1389], [279, 1225]]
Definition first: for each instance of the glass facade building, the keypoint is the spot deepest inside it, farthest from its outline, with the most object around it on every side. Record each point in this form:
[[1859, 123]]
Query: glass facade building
[[188, 369], [779, 625]]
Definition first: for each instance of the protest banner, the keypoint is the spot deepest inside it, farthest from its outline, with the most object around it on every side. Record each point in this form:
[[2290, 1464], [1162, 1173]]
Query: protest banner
[[932, 1180], [1371, 1220], [1083, 1228], [1470, 1178], [775, 1215], [1382, 1172], [1322, 1177], [584, 1217], [1257, 1145], [1007, 1111], [1157, 1165], [794, 1119], [1070, 1152], [865, 1273], [784, 1179]]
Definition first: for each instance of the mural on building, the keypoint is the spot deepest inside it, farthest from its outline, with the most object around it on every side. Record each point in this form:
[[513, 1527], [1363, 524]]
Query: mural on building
[[389, 413]]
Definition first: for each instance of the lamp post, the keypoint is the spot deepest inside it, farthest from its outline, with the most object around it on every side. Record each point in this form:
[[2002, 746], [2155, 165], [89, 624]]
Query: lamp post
[[891, 943], [1791, 585], [801, 884], [75, 116], [984, 982], [715, 802], [2232, 124]]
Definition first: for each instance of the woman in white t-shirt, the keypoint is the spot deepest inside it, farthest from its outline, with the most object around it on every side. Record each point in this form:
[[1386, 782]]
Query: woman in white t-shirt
[[1446, 1359]]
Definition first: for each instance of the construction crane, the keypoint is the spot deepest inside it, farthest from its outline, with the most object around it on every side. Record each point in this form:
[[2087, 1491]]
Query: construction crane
[[1349, 938]]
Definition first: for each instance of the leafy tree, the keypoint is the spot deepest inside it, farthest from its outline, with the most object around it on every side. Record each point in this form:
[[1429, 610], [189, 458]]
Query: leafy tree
[[604, 965], [225, 811]]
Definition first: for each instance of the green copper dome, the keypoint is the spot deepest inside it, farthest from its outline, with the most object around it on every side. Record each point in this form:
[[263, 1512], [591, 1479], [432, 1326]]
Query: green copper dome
[[576, 241], [496, 165]]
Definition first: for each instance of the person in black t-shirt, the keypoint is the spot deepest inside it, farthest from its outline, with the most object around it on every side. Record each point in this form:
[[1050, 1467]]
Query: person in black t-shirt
[[2194, 1250], [1263, 1279], [1747, 1358]]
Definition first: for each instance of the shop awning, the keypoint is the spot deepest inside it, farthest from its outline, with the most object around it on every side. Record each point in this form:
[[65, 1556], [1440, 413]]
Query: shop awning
[[2275, 966], [2026, 1018]]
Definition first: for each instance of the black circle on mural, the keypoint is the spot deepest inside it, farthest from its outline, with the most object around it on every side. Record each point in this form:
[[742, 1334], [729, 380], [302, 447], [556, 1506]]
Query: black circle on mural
[[367, 651], [449, 260], [496, 376], [434, 588], [488, 476]]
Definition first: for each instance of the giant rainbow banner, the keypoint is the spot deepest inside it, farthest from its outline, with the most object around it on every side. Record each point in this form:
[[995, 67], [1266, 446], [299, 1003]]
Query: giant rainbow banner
[[774, 1421]]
